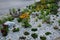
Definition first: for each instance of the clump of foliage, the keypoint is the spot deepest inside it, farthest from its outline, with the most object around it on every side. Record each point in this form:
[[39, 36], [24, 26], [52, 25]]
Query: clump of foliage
[[26, 33], [1, 21], [22, 37], [58, 21], [4, 31], [47, 20], [48, 33], [42, 37], [9, 18], [34, 35], [34, 29], [26, 23], [55, 27], [19, 19], [15, 30]]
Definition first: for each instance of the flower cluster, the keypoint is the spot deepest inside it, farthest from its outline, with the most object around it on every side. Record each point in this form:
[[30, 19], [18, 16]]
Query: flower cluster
[[25, 15]]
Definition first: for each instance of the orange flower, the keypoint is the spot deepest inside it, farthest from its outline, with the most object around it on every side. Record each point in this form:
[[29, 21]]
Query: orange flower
[[25, 15]]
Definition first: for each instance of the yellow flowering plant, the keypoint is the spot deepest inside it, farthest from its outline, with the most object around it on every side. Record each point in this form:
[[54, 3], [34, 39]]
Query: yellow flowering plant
[[24, 15]]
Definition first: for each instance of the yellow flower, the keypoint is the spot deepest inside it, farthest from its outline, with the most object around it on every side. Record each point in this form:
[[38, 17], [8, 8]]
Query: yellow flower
[[25, 15]]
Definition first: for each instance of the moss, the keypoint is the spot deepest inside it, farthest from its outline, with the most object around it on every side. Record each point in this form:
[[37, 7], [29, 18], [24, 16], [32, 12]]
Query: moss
[[26, 33], [34, 29], [48, 33], [42, 37]]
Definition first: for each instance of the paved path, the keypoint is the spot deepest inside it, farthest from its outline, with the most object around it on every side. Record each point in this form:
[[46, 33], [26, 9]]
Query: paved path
[[5, 5]]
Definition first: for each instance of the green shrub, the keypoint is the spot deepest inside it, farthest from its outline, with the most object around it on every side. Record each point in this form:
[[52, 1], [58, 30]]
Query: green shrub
[[15, 30], [42, 37], [48, 33], [2, 21], [39, 17], [26, 24], [10, 18], [47, 20], [34, 35], [34, 29], [26, 33], [19, 19]]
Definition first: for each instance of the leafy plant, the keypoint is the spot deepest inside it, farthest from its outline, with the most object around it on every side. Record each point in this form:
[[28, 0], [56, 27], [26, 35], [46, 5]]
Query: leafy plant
[[26, 24], [19, 19], [55, 27], [14, 10], [48, 33], [4, 31], [15, 30], [26, 33], [22, 37], [10, 18], [42, 37], [39, 17], [1, 21], [34, 35], [47, 20], [59, 21], [34, 29]]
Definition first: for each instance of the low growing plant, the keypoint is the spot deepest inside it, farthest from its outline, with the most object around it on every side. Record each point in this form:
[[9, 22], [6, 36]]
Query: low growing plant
[[34, 35], [55, 27], [26, 33], [48, 33], [58, 21], [42, 37], [15, 30], [34, 29], [4, 31], [19, 19]]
